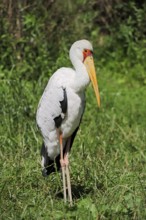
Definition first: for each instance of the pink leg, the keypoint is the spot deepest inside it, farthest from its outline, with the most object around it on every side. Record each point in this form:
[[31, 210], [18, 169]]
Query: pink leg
[[64, 161], [62, 167]]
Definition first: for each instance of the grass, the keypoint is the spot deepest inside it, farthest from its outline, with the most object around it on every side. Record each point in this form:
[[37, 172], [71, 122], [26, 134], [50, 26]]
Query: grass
[[108, 159]]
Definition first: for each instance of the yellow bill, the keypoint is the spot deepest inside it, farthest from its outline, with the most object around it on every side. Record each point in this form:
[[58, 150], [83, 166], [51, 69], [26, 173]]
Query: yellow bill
[[89, 63]]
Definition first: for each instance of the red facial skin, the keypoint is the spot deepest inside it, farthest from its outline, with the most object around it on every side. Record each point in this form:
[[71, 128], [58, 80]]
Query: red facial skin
[[87, 53]]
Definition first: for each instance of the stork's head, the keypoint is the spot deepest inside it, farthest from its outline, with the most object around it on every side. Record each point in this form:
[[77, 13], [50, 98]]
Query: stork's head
[[83, 51]]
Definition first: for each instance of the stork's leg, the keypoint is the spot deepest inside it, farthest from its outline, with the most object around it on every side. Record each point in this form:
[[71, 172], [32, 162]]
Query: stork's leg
[[67, 171], [64, 161], [62, 167]]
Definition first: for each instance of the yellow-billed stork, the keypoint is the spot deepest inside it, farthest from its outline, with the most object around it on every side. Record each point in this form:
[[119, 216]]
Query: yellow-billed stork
[[61, 108]]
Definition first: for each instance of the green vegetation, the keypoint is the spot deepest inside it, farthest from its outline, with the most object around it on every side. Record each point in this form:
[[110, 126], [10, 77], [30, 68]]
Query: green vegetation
[[108, 159]]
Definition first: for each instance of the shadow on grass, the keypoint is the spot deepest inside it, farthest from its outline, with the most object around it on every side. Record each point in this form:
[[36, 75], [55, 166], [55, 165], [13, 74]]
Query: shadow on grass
[[78, 191]]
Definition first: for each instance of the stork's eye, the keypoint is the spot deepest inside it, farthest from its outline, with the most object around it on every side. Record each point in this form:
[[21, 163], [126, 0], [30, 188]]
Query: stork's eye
[[86, 51]]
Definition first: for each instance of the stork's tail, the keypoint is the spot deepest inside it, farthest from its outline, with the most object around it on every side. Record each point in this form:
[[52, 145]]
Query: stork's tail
[[49, 166]]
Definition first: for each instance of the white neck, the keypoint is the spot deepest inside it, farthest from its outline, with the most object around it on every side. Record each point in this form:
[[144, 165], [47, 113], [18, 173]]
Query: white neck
[[81, 76]]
